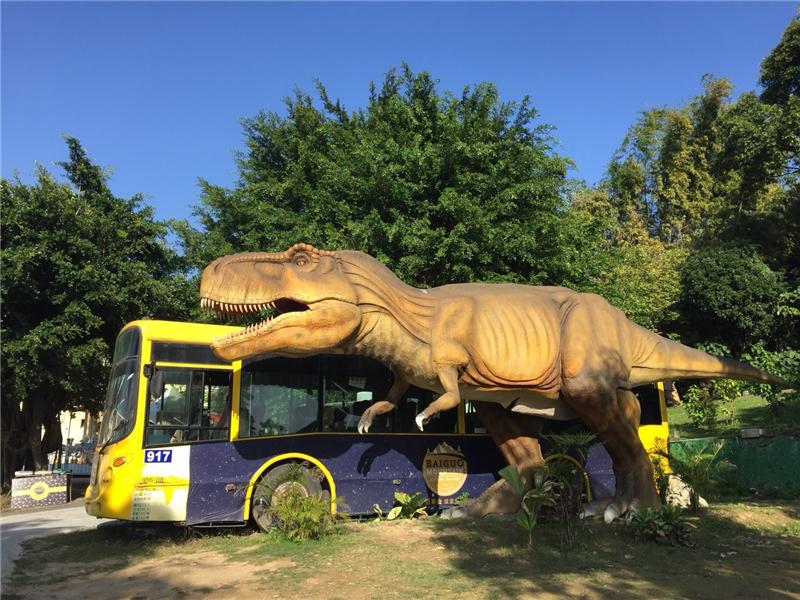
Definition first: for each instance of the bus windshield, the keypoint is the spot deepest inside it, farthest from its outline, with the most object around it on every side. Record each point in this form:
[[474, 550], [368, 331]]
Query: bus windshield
[[119, 411]]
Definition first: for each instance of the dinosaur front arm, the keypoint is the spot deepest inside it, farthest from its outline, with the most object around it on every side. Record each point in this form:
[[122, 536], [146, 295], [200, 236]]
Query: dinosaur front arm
[[452, 325], [396, 392], [448, 376]]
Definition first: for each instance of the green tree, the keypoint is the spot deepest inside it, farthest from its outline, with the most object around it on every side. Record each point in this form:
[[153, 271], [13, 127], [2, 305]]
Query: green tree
[[758, 142], [707, 177], [780, 70], [663, 169], [637, 273], [685, 190], [77, 264], [729, 295], [631, 181], [441, 188]]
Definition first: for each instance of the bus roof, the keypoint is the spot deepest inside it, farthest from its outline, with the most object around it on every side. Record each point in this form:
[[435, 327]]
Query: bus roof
[[179, 331]]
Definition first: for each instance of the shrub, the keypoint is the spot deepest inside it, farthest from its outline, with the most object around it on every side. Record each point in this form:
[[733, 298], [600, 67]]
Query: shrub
[[667, 524], [700, 406], [408, 506], [301, 517], [541, 494], [784, 363], [294, 503], [729, 294], [569, 477]]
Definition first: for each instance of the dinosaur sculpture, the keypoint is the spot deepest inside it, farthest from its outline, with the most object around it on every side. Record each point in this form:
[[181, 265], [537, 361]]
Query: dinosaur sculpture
[[532, 351]]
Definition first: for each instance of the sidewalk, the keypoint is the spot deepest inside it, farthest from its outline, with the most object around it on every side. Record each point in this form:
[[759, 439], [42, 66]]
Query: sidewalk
[[16, 527]]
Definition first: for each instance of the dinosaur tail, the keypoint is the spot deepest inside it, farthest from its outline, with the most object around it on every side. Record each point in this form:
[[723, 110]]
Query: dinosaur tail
[[656, 358]]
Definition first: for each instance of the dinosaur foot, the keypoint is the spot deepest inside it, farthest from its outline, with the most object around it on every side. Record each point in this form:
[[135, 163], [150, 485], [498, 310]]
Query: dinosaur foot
[[594, 508], [498, 499], [457, 512], [634, 490], [609, 508], [618, 507]]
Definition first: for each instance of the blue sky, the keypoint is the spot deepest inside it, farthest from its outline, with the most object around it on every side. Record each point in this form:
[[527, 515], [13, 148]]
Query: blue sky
[[155, 91]]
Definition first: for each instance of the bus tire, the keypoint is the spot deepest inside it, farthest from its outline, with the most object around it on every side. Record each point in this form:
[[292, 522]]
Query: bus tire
[[276, 484]]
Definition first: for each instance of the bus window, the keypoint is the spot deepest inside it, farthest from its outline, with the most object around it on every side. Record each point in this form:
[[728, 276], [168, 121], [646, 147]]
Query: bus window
[[472, 422], [191, 405], [120, 403], [650, 404], [279, 396], [350, 384]]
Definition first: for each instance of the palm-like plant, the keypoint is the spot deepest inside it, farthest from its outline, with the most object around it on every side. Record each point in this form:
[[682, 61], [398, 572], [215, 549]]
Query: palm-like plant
[[542, 493]]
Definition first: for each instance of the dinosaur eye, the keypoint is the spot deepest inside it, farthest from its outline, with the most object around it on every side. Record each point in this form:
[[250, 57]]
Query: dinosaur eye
[[301, 261]]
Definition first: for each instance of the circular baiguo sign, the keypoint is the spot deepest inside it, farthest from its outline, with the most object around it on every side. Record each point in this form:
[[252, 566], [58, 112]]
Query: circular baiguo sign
[[444, 469], [40, 490]]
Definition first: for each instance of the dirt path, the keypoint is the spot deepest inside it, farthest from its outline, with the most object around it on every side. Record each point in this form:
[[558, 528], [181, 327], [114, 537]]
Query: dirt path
[[19, 526], [741, 551]]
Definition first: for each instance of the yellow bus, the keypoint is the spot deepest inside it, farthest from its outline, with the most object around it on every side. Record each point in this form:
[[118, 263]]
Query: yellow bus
[[190, 439]]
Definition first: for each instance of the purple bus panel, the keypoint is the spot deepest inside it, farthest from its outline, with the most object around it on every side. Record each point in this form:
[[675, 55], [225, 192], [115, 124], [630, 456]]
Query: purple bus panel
[[367, 470]]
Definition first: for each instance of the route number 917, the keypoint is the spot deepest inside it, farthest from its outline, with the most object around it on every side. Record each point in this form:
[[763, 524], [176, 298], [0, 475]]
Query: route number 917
[[158, 456]]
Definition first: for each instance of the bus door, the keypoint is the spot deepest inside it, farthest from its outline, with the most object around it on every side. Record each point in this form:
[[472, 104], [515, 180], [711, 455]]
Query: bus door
[[188, 405]]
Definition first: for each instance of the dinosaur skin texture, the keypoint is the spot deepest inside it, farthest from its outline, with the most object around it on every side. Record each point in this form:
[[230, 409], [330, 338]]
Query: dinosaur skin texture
[[521, 352]]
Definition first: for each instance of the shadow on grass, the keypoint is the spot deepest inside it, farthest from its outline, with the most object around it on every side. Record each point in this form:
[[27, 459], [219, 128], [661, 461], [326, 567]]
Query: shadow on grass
[[728, 560], [739, 552]]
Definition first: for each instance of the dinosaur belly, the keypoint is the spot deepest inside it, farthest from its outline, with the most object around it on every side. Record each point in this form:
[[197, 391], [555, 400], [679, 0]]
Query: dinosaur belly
[[515, 343], [524, 402]]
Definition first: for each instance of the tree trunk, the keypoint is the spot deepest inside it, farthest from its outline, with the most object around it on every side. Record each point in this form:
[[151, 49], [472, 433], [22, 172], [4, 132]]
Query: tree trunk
[[52, 440], [35, 459], [13, 443]]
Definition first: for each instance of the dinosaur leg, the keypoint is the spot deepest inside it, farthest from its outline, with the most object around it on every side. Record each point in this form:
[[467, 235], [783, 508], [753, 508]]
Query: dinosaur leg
[[396, 392], [616, 425], [515, 436]]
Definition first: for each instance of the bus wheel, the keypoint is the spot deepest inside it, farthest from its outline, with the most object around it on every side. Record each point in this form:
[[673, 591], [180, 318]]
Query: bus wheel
[[278, 483]]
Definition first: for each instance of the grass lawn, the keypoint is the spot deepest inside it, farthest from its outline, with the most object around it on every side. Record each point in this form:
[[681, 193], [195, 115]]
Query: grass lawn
[[740, 550], [748, 411]]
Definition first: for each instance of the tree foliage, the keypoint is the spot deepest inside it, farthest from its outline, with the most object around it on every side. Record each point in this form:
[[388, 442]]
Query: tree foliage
[[720, 178], [729, 296], [780, 70], [442, 188], [77, 264]]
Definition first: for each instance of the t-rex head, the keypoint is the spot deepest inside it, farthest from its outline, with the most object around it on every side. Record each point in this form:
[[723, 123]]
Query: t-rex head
[[315, 303]]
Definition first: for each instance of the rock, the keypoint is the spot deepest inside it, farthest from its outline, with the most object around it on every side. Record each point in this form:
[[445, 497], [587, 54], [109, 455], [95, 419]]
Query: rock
[[678, 493]]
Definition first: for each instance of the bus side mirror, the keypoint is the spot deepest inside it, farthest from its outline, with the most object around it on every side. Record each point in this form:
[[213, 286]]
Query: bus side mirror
[[156, 381]]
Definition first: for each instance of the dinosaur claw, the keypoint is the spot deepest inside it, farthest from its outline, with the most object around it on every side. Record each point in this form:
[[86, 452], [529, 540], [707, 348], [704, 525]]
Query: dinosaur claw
[[363, 426], [421, 420], [611, 512], [594, 508]]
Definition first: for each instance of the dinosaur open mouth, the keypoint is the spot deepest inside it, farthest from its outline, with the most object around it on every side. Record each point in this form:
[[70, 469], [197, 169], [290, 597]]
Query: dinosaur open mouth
[[230, 309], [278, 310]]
